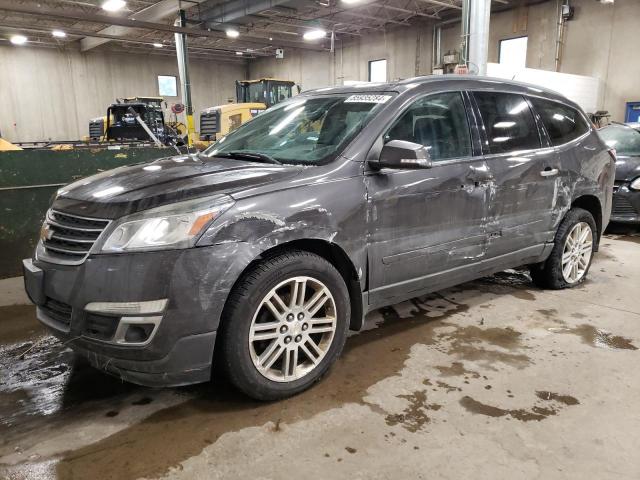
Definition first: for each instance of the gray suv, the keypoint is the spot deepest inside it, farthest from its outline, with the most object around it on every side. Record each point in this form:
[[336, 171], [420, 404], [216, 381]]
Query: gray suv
[[270, 245]]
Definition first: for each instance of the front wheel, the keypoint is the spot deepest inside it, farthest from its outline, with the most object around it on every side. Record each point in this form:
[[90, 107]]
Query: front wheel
[[284, 325], [572, 253]]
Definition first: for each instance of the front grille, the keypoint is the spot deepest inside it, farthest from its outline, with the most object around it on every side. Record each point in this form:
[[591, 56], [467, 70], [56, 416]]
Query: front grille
[[209, 125], [69, 238], [622, 207], [58, 311], [100, 327]]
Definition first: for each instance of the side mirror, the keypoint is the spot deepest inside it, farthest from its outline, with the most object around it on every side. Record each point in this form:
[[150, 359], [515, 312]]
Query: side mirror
[[404, 155]]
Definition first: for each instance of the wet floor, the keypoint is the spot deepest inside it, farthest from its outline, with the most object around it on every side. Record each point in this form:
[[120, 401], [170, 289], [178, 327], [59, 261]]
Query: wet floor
[[452, 364]]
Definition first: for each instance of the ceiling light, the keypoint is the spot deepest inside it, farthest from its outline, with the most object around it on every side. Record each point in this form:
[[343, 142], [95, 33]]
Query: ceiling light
[[270, 39], [314, 34], [349, 2], [18, 39], [158, 45], [58, 34], [232, 33], [113, 5], [239, 53]]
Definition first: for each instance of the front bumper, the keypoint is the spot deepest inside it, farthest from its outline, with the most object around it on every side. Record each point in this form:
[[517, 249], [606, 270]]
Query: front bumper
[[181, 349], [626, 205]]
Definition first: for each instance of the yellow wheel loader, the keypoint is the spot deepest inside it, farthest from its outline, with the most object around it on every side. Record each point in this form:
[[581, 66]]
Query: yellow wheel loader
[[252, 97]]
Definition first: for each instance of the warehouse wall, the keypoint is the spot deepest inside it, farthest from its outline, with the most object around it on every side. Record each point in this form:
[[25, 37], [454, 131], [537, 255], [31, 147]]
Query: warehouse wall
[[407, 50], [52, 94], [599, 42]]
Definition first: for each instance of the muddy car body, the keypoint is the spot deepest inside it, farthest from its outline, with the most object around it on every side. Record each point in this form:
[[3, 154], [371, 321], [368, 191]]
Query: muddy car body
[[420, 191]]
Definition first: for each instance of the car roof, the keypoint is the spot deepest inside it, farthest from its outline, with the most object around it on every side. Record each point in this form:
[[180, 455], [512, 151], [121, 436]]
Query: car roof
[[455, 81]]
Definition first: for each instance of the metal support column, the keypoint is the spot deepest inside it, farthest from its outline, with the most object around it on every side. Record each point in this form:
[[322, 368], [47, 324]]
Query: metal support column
[[183, 68], [479, 12]]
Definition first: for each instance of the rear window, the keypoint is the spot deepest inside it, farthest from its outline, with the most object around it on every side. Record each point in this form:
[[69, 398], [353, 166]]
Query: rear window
[[624, 139], [508, 122], [562, 123]]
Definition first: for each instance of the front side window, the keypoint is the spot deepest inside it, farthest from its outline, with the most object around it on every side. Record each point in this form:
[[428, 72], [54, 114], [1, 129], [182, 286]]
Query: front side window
[[310, 130], [562, 123], [508, 122], [439, 122]]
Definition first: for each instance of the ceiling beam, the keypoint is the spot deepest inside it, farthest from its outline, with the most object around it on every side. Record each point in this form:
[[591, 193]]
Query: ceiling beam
[[442, 4], [155, 12], [10, 6]]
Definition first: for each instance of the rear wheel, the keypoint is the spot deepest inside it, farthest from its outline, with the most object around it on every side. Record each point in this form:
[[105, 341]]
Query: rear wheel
[[284, 325], [571, 257]]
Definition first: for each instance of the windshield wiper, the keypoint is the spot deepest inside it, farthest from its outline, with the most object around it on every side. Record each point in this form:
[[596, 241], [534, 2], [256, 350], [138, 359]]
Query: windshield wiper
[[252, 156]]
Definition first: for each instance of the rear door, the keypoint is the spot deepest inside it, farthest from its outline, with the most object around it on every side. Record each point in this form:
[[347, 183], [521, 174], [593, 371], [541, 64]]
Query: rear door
[[524, 169], [427, 225]]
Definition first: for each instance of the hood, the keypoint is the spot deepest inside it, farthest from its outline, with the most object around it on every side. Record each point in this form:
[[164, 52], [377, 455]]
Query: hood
[[627, 168], [125, 190]]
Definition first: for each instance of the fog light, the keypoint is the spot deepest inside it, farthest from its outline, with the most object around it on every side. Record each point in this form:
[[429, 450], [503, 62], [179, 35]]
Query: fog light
[[138, 333]]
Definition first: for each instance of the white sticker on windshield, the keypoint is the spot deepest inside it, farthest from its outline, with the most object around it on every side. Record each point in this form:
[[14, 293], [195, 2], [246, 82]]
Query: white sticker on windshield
[[367, 99]]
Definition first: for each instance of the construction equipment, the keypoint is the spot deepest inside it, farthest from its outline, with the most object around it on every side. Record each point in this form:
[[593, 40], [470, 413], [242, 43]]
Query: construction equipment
[[121, 124], [252, 97]]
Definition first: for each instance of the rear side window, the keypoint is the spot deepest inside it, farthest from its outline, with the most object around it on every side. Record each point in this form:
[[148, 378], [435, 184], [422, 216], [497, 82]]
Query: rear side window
[[508, 122], [439, 122], [563, 123]]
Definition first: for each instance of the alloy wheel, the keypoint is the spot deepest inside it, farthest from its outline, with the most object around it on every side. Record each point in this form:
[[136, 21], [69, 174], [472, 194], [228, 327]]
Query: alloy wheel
[[292, 329], [578, 248]]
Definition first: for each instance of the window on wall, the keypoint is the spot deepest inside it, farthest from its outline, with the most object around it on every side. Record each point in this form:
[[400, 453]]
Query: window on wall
[[513, 52], [167, 86], [378, 71]]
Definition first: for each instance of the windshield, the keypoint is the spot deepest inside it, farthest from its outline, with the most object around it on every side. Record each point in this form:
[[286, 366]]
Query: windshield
[[302, 130], [625, 140]]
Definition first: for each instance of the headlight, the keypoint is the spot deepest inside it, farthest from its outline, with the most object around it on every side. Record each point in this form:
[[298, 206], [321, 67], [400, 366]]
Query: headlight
[[173, 226], [635, 185]]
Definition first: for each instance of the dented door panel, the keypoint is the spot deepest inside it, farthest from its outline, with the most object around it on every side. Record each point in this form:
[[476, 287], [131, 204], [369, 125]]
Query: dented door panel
[[425, 222]]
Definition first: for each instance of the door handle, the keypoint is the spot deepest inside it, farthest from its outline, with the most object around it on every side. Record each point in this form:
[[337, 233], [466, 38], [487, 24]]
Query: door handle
[[549, 172]]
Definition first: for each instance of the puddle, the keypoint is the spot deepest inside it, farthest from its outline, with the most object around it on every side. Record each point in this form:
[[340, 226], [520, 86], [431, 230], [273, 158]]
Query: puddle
[[414, 417], [566, 399], [468, 343], [597, 338], [537, 412], [40, 378], [18, 323]]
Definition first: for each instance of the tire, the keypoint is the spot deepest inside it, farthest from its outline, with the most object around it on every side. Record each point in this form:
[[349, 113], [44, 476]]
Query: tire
[[271, 363], [550, 273]]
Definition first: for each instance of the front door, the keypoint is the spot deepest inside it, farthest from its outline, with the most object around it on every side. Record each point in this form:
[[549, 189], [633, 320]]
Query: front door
[[427, 225]]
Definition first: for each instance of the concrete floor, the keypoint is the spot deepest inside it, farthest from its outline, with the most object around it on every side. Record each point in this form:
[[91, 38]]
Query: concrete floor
[[491, 379]]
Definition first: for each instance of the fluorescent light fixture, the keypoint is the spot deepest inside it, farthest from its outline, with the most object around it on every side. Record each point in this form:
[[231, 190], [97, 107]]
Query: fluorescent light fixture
[[18, 39], [113, 5], [158, 45], [239, 53], [316, 34], [58, 34], [350, 2], [232, 33]]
